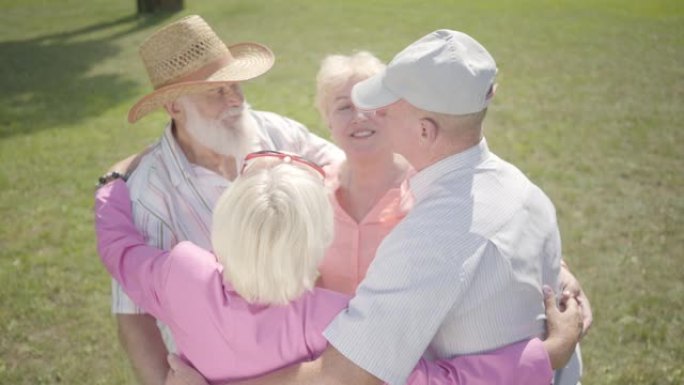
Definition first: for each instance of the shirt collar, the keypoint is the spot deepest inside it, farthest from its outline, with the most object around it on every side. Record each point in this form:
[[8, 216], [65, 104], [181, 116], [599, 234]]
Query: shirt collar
[[393, 205], [420, 183], [259, 141]]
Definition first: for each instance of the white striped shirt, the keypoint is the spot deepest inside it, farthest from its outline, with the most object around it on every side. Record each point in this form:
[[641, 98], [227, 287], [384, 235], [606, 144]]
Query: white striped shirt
[[173, 199], [462, 273]]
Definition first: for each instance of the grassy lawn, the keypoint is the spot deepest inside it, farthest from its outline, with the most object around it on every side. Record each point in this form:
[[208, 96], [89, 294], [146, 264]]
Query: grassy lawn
[[590, 106]]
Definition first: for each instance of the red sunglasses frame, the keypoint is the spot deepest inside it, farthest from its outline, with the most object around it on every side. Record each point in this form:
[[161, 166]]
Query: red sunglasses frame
[[285, 157]]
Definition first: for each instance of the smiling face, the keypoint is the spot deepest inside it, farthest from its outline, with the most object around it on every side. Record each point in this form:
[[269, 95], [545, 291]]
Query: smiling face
[[352, 131], [356, 135]]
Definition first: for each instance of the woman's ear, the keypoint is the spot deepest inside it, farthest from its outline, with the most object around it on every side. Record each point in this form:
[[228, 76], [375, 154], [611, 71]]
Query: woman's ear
[[327, 121]]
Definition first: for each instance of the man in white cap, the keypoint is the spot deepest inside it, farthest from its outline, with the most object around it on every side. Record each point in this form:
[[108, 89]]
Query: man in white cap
[[463, 272], [481, 240], [196, 80]]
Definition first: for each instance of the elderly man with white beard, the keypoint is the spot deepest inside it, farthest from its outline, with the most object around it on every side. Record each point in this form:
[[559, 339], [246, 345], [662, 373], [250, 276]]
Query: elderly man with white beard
[[176, 183]]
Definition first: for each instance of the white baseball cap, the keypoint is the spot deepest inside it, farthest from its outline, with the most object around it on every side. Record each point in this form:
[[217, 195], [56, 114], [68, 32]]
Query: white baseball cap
[[445, 71]]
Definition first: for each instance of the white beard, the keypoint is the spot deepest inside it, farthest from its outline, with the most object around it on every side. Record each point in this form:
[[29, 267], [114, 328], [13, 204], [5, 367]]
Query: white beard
[[232, 134]]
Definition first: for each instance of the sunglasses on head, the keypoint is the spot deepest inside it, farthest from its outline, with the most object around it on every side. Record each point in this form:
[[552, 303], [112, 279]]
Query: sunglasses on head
[[285, 157]]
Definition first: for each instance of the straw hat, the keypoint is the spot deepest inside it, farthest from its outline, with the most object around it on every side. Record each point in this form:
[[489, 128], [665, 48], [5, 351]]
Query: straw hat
[[188, 57]]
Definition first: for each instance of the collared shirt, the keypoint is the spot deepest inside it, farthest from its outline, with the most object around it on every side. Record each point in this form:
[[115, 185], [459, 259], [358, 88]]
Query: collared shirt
[[173, 199], [462, 273], [226, 338], [355, 243]]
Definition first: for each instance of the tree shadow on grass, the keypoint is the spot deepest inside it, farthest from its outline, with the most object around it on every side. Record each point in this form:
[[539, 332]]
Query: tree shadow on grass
[[45, 81]]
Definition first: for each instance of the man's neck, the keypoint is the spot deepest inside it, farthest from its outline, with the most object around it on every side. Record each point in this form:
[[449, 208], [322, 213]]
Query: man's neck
[[445, 149], [199, 155]]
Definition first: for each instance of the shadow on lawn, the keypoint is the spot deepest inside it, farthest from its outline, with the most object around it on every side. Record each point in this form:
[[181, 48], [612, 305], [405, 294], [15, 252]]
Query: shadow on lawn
[[45, 81]]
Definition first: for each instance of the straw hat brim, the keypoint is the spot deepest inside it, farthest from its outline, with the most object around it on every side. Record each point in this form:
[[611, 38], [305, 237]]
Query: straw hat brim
[[249, 61]]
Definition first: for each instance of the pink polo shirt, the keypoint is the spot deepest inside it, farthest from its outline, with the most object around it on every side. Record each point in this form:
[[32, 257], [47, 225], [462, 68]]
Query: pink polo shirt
[[226, 338], [353, 247]]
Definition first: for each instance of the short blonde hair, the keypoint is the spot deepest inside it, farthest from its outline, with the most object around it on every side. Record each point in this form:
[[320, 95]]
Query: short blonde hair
[[271, 229], [337, 70]]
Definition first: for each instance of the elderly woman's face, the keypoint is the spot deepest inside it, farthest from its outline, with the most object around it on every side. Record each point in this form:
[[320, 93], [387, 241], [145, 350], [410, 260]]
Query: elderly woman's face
[[349, 128]]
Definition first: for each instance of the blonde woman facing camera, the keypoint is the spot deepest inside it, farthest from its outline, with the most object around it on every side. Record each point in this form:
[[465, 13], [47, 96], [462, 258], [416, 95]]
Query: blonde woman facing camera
[[367, 193], [248, 310]]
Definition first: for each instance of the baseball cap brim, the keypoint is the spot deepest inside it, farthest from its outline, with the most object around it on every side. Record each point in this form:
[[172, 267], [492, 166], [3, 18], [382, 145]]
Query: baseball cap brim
[[371, 94]]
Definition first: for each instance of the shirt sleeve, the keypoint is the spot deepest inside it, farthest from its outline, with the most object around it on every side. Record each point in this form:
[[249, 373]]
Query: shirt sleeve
[[523, 363], [318, 149], [157, 233], [404, 299], [551, 248], [553, 256], [140, 269]]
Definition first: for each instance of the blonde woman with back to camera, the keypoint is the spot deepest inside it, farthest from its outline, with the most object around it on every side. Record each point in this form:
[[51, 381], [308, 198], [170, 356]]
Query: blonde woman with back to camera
[[248, 310]]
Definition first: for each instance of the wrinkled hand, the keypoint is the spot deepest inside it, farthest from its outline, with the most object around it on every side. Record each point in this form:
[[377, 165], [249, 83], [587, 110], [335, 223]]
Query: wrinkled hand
[[182, 373], [571, 287], [563, 328]]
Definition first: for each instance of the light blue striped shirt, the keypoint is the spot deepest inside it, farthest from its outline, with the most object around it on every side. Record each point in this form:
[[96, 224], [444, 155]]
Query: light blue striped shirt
[[462, 273]]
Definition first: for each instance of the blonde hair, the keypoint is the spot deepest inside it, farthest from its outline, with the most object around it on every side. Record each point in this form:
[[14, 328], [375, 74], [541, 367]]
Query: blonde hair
[[337, 70], [271, 229]]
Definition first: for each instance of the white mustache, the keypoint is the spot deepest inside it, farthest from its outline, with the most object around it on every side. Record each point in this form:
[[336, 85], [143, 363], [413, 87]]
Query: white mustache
[[232, 112]]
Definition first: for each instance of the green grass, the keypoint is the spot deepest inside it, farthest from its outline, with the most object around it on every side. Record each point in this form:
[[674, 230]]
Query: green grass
[[590, 106]]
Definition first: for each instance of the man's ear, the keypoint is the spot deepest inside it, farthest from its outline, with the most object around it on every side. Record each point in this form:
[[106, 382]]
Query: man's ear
[[428, 130], [173, 109], [492, 91]]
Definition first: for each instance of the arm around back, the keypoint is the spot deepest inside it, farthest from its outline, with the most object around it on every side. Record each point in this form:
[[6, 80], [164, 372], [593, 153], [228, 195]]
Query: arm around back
[[522, 363], [138, 333], [139, 268]]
